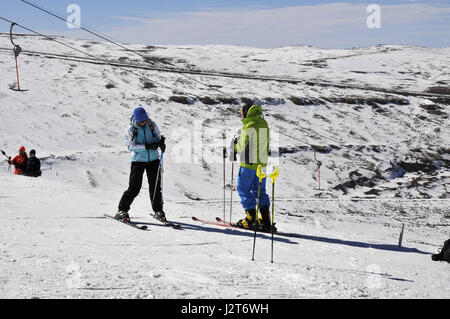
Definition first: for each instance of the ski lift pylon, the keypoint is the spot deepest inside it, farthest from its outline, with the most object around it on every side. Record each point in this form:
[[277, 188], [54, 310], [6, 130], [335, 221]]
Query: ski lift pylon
[[17, 50]]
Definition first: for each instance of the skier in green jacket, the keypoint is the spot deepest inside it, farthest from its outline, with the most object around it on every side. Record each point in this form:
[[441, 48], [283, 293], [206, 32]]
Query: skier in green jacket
[[253, 148]]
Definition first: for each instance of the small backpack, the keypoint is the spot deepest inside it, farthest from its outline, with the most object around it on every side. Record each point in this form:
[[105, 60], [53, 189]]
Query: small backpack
[[444, 255]]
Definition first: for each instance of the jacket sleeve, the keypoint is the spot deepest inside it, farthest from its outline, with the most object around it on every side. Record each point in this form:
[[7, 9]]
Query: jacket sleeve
[[157, 132], [130, 143], [19, 161], [242, 143]]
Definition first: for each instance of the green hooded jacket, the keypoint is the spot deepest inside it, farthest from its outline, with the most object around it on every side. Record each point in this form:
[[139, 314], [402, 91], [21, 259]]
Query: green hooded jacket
[[253, 144]]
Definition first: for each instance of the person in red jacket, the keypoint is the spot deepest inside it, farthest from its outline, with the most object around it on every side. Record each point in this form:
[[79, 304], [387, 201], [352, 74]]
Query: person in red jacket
[[20, 161]]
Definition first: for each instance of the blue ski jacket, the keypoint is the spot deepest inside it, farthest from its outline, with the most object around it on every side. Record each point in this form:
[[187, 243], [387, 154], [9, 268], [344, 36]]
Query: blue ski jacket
[[136, 137]]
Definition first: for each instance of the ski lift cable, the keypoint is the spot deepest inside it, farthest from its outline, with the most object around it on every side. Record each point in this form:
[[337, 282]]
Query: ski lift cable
[[108, 39], [93, 56]]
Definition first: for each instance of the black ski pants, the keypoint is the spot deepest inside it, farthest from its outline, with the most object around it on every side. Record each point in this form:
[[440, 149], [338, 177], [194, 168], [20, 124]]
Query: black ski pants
[[135, 184]]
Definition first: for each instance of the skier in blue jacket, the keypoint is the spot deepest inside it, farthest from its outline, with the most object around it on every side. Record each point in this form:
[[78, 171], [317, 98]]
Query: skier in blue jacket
[[143, 139]]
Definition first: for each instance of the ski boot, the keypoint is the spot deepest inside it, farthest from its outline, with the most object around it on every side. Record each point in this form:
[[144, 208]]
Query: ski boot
[[248, 222], [122, 216], [266, 225], [437, 257], [440, 256], [161, 216]]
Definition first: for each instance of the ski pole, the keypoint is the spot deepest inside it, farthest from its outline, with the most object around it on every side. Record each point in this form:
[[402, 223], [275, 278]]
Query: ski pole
[[160, 171], [231, 196], [9, 159], [273, 177], [233, 158], [162, 178], [224, 157], [261, 175]]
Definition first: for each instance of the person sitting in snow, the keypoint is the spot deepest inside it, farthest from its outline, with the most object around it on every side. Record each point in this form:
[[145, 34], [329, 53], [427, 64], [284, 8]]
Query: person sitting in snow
[[143, 139], [19, 162], [253, 148], [33, 167]]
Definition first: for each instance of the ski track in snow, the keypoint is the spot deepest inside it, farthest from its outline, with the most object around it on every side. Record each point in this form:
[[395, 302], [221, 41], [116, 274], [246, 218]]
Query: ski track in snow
[[54, 243]]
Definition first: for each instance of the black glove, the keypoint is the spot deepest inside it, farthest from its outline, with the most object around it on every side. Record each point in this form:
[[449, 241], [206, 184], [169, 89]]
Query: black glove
[[152, 146], [233, 154], [162, 144]]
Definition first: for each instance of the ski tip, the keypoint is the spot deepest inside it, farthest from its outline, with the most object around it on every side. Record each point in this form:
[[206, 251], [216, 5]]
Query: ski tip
[[220, 220]]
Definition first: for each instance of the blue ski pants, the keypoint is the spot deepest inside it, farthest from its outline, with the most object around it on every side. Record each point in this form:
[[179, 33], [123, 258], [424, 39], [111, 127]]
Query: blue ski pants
[[247, 187]]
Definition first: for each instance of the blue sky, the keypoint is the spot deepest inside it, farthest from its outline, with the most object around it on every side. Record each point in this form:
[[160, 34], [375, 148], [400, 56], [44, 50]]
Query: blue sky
[[260, 23]]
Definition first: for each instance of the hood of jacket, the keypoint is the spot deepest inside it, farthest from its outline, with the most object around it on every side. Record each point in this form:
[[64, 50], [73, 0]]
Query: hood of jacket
[[254, 114]]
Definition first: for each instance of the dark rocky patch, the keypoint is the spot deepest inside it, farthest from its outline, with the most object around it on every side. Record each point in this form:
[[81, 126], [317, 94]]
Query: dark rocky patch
[[208, 101], [157, 60], [439, 90], [425, 167], [227, 100], [306, 101], [373, 191], [181, 99], [149, 85]]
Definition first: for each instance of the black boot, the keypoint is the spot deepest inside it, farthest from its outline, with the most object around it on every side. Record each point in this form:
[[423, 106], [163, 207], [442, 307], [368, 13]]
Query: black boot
[[161, 216], [436, 257], [266, 224], [122, 216], [444, 254]]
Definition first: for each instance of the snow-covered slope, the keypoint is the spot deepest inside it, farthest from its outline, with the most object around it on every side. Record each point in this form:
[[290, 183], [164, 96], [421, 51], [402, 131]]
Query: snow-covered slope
[[385, 162]]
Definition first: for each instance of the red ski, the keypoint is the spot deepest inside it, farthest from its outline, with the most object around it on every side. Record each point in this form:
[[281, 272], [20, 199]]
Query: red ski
[[222, 223], [195, 219], [220, 220]]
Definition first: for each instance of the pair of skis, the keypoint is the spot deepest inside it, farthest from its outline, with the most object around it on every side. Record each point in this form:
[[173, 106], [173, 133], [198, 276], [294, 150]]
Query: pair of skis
[[218, 222], [144, 227], [222, 223], [159, 179]]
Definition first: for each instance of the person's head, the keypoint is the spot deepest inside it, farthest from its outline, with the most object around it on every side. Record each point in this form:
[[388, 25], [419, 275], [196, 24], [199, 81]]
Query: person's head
[[32, 153], [22, 151], [245, 109], [140, 116]]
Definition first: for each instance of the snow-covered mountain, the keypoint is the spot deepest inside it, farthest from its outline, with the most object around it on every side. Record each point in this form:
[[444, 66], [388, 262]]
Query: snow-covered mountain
[[377, 119]]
